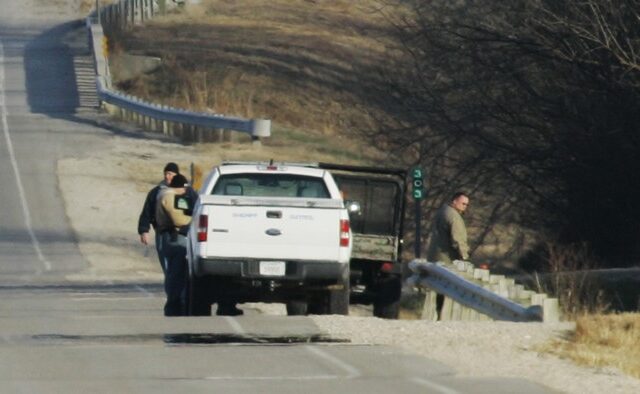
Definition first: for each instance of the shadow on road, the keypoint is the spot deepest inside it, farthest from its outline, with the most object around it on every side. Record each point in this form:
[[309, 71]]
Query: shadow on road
[[60, 76]]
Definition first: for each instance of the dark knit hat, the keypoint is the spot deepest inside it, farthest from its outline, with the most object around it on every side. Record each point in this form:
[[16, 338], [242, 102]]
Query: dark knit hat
[[178, 180], [173, 167]]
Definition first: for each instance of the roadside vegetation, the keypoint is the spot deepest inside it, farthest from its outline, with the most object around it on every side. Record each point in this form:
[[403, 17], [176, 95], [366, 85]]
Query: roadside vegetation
[[531, 107], [603, 341]]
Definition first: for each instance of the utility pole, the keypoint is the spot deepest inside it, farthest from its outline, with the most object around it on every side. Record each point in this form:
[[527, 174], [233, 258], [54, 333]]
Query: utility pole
[[98, 11]]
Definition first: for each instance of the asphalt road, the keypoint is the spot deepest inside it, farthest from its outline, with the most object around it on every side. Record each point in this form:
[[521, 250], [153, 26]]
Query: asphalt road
[[67, 339], [45, 114], [63, 337]]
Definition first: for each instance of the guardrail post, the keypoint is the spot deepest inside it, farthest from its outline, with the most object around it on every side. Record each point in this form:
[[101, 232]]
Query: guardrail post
[[446, 313], [551, 310], [429, 311], [456, 311]]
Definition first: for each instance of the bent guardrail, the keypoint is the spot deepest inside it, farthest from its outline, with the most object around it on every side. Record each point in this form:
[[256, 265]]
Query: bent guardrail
[[187, 125], [461, 294]]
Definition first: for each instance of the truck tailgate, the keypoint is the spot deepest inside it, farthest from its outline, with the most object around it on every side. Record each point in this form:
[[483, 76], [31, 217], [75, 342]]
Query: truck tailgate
[[273, 229]]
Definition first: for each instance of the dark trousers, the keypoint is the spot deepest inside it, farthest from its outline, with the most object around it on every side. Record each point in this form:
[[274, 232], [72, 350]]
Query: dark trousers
[[159, 251], [174, 251]]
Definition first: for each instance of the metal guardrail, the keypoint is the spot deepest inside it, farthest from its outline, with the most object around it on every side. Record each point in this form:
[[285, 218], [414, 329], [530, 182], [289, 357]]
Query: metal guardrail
[[447, 283], [129, 12]]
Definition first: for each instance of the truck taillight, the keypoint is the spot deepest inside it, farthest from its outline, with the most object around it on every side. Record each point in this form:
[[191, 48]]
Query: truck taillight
[[386, 267], [344, 232], [203, 224]]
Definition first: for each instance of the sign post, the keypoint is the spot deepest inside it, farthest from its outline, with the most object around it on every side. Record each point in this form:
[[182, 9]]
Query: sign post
[[418, 195]]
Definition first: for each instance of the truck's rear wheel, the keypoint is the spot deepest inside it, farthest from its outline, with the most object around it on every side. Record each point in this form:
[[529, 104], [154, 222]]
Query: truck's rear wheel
[[297, 308], [338, 302], [331, 302], [198, 302]]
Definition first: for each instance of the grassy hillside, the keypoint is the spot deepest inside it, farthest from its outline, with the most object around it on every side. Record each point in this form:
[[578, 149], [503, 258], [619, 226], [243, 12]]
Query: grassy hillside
[[307, 65]]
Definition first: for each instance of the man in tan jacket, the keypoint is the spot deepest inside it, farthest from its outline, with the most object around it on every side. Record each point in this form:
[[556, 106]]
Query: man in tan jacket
[[449, 233], [172, 224]]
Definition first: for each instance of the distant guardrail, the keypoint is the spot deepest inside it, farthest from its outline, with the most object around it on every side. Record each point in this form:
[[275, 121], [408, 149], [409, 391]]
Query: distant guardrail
[[186, 125], [474, 294]]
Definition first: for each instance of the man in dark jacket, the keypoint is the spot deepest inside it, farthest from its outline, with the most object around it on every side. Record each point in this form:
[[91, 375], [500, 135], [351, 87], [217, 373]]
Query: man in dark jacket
[[148, 215]]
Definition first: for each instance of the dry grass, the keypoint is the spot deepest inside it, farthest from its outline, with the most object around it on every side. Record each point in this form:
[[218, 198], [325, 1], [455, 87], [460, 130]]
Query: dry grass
[[307, 65], [603, 341]]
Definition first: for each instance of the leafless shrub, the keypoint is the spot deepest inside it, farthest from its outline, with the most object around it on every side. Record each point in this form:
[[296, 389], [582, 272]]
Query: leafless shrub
[[570, 279]]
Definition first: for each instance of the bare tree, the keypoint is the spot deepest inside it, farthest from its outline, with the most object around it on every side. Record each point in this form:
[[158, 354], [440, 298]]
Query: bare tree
[[530, 104]]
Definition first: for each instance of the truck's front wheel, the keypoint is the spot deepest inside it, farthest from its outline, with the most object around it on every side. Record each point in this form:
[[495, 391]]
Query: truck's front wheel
[[387, 299]]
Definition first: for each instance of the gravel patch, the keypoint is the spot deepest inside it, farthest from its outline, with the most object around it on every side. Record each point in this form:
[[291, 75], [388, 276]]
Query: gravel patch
[[485, 349]]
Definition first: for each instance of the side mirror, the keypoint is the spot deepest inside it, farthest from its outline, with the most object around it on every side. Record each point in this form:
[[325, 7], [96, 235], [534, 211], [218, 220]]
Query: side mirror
[[353, 207]]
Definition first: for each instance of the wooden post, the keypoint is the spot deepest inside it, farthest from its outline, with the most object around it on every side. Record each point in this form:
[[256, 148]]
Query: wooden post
[[456, 311], [429, 307], [551, 310], [447, 309]]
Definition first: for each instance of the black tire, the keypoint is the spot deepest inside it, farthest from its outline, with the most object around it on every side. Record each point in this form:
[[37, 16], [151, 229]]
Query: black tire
[[198, 302], [387, 301], [386, 310], [338, 301], [297, 308], [331, 302]]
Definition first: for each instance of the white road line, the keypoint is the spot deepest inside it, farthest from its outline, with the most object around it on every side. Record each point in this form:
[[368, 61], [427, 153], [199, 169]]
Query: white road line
[[235, 325], [108, 298], [144, 291], [309, 377], [352, 372], [14, 164], [434, 386]]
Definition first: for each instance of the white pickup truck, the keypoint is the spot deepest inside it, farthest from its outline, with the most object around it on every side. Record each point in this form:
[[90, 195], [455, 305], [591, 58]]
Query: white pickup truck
[[269, 232]]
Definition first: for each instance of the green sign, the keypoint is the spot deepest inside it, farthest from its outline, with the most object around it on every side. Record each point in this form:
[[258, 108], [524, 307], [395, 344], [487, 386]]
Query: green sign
[[418, 185]]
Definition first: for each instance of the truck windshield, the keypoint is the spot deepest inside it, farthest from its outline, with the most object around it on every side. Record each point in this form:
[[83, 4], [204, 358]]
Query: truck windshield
[[270, 185]]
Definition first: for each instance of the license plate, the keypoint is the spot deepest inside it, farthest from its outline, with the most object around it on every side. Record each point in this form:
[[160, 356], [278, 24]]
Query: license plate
[[272, 268]]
